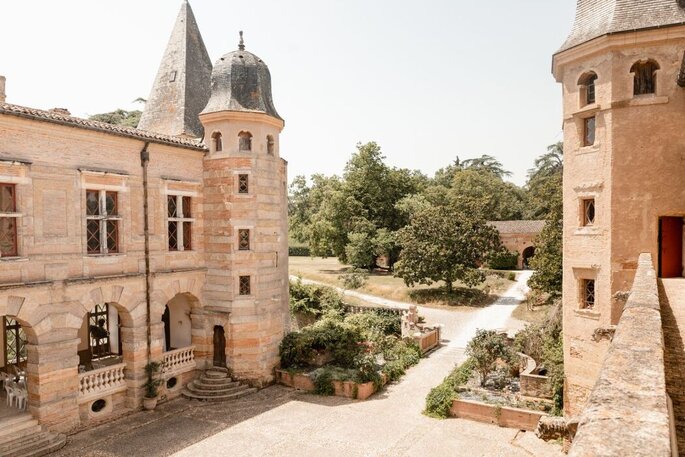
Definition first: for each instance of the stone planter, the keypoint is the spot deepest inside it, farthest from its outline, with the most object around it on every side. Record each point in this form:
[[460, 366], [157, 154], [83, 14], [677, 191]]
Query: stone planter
[[149, 403], [503, 416], [347, 389]]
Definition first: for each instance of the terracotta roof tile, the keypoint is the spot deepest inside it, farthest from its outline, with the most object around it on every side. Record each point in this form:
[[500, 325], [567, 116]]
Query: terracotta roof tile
[[63, 119], [534, 227]]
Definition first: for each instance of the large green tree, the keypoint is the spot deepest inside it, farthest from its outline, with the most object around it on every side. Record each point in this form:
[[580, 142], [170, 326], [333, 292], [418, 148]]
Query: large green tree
[[445, 243], [119, 117]]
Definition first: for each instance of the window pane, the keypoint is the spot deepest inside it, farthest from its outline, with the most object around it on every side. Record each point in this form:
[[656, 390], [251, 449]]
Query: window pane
[[171, 206], [8, 236], [92, 203], [111, 203], [589, 139], [187, 236], [589, 292], [243, 240], [245, 141], [589, 212], [591, 93], [244, 283], [112, 236], [186, 206], [7, 203], [93, 237], [173, 236], [270, 144], [243, 184]]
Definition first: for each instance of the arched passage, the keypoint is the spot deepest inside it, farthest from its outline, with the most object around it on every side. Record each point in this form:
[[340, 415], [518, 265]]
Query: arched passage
[[100, 338], [15, 377], [526, 255], [177, 322]]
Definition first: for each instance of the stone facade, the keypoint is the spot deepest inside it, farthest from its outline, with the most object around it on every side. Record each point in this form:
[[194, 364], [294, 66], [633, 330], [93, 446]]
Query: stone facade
[[153, 284], [519, 237], [629, 168]]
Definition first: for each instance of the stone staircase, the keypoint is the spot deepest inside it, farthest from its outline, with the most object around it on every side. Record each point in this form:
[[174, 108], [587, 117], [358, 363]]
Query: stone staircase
[[216, 384], [21, 436]]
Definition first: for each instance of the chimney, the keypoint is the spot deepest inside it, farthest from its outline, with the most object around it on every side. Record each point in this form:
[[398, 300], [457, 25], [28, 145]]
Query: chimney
[[2, 89]]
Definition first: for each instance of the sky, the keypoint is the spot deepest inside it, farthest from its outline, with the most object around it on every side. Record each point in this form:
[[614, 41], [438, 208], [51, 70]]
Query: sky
[[428, 81]]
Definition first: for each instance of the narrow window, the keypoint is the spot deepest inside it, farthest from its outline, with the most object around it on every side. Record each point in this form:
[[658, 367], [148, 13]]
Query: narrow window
[[15, 342], [180, 223], [243, 240], [8, 221], [102, 222], [98, 329], [587, 88], [588, 291], [216, 140], [588, 212], [270, 144], [245, 141], [243, 184], [589, 131], [644, 77], [244, 285]]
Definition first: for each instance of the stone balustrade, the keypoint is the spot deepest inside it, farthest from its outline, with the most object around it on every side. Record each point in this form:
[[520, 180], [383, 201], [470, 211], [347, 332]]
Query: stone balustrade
[[101, 382], [628, 410], [178, 361]]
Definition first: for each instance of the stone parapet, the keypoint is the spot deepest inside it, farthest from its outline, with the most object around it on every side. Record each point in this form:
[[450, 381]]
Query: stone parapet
[[627, 412]]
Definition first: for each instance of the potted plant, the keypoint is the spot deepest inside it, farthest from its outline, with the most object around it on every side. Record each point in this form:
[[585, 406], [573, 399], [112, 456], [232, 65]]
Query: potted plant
[[151, 386]]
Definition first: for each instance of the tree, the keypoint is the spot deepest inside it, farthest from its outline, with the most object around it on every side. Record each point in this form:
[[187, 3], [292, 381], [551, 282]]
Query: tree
[[485, 349], [445, 244], [544, 184], [119, 117], [488, 164], [487, 194]]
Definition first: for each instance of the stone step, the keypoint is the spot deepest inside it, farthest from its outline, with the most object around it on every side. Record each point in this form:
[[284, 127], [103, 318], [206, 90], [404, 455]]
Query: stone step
[[20, 441], [231, 396], [216, 374], [214, 393], [222, 369], [44, 444], [219, 381], [18, 430], [213, 385]]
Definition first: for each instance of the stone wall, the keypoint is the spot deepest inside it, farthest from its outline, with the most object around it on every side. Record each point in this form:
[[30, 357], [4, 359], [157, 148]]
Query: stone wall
[[627, 412]]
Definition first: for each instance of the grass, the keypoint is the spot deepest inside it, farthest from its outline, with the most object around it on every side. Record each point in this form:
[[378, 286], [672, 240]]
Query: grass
[[534, 315], [383, 284]]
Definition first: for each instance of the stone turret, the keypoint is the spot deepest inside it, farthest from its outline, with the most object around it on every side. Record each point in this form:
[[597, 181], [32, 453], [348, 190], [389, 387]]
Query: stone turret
[[246, 229], [181, 88]]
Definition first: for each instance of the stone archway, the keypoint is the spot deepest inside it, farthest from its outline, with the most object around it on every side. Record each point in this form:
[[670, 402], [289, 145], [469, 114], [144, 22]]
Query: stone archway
[[526, 256]]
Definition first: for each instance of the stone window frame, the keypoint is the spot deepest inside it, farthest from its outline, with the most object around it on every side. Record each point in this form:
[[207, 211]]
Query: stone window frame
[[104, 219], [245, 285], [588, 211], [244, 239], [245, 140], [635, 67], [181, 220], [217, 143], [91, 180], [588, 88], [237, 191], [15, 216], [588, 294], [587, 123], [582, 275]]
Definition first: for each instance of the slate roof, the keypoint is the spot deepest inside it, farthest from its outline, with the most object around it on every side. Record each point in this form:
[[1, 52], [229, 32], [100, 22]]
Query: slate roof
[[181, 87], [507, 227], [595, 18], [77, 122]]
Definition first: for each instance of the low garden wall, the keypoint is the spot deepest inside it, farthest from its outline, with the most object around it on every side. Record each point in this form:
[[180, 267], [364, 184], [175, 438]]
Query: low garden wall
[[347, 389], [531, 384], [503, 416], [428, 340]]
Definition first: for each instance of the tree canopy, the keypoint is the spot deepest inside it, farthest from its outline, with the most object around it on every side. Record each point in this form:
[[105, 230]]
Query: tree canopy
[[119, 117]]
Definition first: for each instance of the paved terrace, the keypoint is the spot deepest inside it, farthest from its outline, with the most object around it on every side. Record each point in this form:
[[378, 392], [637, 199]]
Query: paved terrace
[[279, 421]]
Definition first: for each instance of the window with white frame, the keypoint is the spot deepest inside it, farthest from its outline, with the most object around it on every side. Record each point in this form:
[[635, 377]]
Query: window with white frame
[[9, 218], [180, 223], [102, 222]]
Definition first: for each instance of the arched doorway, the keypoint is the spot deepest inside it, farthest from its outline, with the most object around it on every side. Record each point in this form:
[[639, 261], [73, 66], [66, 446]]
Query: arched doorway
[[219, 346], [14, 358], [177, 324], [100, 336], [528, 254]]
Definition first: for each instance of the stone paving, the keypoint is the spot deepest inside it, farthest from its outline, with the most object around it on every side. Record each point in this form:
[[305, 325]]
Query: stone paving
[[278, 421]]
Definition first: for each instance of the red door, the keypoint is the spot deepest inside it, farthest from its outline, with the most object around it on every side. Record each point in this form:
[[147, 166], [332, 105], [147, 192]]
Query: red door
[[671, 247]]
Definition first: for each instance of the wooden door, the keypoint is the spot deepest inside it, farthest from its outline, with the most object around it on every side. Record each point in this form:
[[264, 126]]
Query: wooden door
[[671, 247], [219, 347]]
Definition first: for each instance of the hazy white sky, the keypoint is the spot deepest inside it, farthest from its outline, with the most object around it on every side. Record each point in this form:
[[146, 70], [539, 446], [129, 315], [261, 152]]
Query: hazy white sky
[[427, 80]]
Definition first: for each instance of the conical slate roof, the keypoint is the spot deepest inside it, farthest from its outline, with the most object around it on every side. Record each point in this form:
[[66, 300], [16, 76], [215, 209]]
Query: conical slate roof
[[181, 88], [595, 18], [241, 81]]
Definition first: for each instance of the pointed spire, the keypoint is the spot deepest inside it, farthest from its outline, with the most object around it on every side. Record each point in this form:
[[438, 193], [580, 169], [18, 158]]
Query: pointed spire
[[241, 44], [181, 88]]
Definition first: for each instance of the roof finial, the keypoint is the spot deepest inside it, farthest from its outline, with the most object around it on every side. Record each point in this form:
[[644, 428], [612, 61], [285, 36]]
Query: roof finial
[[241, 45]]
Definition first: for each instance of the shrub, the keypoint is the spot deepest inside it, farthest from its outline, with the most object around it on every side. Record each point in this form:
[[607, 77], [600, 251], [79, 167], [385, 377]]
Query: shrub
[[314, 300], [376, 324], [399, 356], [367, 369], [486, 348], [323, 382], [511, 276], [439, 399], [503, 260], [354, 279], [299, 251]]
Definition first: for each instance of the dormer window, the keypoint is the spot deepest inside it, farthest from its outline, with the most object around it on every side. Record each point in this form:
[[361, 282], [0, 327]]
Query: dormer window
[[245, 141], [644, 74], [270, 144], [587, 88], [216, 141]]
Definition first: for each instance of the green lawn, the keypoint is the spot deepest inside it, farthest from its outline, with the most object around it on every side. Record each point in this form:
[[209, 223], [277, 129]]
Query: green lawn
[[385, 285]]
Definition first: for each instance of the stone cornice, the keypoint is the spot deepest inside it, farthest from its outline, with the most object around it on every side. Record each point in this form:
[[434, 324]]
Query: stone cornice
[[242, 116]]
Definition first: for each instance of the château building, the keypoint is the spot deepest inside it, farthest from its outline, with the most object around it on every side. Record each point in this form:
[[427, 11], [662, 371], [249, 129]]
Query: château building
[[166, 242]]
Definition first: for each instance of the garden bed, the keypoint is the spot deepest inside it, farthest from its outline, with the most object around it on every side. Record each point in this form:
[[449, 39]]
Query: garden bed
[[504, 416], [342, 388]]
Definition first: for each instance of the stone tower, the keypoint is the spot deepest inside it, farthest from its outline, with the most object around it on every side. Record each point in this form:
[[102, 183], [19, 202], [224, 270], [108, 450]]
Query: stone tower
[[624, 151], [181, 88], [246, 213]]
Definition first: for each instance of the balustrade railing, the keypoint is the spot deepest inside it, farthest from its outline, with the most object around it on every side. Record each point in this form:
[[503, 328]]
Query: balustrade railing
[[179, 360], [102, 381]]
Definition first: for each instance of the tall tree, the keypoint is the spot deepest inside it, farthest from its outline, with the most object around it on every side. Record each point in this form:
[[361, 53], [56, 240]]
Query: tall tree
[[544, 184], [119, 117]]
